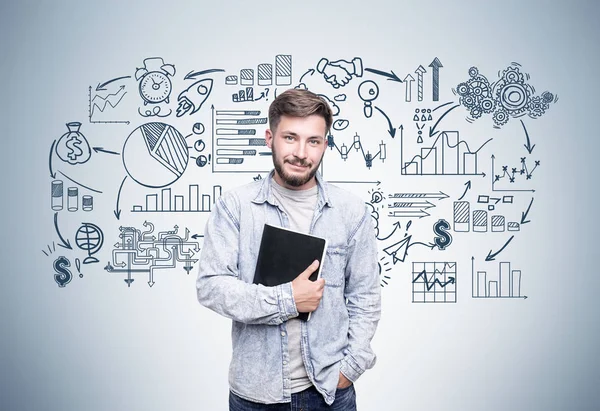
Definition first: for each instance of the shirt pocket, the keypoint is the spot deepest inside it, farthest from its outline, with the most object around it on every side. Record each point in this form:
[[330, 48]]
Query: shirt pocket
[[334, 266]]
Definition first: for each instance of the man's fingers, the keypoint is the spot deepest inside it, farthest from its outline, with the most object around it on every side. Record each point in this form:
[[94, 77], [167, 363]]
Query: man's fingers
[[310, 269], [320, 283]]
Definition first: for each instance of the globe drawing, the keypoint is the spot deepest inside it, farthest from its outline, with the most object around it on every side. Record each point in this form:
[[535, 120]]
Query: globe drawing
[[89, 238], [155, 155]]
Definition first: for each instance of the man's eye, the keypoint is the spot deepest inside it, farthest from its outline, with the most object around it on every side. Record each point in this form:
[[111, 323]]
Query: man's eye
[[288, 137], [314, 142]]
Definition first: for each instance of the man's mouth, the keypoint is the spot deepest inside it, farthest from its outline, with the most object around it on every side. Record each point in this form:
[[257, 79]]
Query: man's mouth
[[299, 165]]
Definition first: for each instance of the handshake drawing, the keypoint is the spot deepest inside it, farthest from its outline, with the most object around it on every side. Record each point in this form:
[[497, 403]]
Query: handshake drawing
[[339, 73]]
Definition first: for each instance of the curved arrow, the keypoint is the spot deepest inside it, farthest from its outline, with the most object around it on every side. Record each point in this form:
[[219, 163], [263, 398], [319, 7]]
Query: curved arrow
[[117, 211], [310, 71], [431, 129], [524, 215], [192, 76], [396, 227], [491, 256], [391, 76], [468, 184], [528, 146], [53, 175], [391, 128], [100, 87], [65, 243]]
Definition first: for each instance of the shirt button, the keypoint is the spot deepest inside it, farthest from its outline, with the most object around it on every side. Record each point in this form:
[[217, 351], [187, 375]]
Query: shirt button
[[283, 334], [285, 363]]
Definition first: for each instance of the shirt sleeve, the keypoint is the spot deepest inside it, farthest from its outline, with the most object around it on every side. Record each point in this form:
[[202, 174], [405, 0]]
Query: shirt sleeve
[[218, 285], [363, 295]]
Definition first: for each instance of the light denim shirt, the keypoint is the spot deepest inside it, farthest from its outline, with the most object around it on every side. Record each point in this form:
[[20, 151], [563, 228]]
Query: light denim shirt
[[338, 336]]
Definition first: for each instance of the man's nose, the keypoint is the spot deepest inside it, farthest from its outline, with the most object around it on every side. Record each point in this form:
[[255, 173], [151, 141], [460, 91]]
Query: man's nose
[[300, 151]]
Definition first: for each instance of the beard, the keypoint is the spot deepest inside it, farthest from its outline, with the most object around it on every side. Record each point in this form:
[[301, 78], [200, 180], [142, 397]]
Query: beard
[[295, 180]]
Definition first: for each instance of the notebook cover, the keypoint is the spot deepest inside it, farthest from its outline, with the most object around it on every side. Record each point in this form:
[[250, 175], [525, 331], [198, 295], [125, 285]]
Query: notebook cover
[[284, 254]]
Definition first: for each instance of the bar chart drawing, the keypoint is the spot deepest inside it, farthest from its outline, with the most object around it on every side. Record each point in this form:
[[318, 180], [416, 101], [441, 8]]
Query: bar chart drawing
[[264, 75], [235, 146], [496, 223], [505, 284], [446, 156], [166, 202], [434, 282]]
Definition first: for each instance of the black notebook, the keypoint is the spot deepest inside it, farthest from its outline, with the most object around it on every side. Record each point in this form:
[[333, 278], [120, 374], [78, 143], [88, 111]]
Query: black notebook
[[284, 254]]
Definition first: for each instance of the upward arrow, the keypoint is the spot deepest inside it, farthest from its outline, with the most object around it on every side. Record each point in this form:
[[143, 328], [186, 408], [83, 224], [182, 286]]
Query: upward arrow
[[408, 80], [435, 65], [420, 70], [468, 184]]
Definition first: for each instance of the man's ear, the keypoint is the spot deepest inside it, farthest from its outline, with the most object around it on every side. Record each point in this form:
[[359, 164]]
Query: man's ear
[[269, 138]]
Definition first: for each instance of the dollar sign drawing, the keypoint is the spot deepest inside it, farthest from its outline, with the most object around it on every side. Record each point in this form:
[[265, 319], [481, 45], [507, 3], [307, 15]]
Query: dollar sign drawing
[[443, 238], [73, 146], [63, 276]]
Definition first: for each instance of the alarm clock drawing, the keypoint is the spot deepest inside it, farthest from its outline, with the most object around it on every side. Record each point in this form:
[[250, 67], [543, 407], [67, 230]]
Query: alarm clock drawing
[[155, 85]]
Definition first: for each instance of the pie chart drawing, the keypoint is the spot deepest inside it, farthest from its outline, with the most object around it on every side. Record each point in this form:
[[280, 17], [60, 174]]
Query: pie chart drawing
[[155, 155]]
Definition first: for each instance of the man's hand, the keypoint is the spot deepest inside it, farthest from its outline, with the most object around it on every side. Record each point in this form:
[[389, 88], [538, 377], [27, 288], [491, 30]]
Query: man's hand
[[307, 294], [344, 382]]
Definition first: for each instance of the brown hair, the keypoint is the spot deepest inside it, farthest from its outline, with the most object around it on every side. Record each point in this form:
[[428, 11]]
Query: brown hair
[[299, 103]]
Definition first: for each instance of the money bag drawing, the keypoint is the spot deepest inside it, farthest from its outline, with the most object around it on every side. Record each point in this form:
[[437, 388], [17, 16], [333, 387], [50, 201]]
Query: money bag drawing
[[72, 147]]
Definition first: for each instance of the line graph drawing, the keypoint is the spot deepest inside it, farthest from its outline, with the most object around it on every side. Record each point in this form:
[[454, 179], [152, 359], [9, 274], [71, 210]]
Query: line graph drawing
[[434, 282], [444, 157], [511, 175], [104, 104]]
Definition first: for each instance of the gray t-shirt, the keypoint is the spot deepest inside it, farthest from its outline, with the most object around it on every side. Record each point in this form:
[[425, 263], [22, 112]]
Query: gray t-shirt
[[299, 205]]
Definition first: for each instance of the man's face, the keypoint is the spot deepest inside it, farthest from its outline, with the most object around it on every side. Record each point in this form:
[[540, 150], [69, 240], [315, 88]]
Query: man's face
[[298, 146]]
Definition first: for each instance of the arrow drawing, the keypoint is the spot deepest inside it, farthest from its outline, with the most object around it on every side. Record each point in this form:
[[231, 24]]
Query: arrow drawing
[[52, 174], [420, 70], [391, 129], [192, 75], [491, 256], [102, 150], [468, 184], [101, 87], [440, 195], [396, 227], [528, 146], [117, 211], [408, 80], [524, 214], [63, 243], [435, 65], [431, 129], [390, 76]]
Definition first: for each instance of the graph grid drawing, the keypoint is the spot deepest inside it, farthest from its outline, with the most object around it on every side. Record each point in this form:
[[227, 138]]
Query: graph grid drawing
[[446, 156], [434, 282], [167, 203], [506, 284]]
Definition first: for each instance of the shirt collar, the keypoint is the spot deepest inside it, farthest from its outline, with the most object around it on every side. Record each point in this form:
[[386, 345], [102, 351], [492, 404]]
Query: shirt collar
[[265, 192]]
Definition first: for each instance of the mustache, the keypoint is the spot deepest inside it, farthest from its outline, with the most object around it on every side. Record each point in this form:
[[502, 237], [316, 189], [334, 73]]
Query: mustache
[[300, 163]]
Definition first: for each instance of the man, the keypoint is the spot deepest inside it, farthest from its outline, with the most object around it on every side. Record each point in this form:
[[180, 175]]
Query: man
[[278, 359]]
